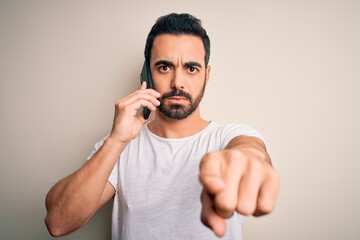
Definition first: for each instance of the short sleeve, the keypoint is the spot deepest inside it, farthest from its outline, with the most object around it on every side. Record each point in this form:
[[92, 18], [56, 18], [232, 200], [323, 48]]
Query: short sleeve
[[113, 178], [234, 130], [96, 148]]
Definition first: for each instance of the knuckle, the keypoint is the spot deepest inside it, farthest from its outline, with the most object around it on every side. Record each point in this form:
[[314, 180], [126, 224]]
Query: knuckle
[[225, 213], [235, 159], [266, 207], [226, 204], [274, 179], [124, 107], [257, 166], [233, 154], [232, 157], [206, 159], [119, 104], [245, 209]]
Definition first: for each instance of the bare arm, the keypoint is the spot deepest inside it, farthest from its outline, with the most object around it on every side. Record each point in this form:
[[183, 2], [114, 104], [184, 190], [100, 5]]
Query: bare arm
[[75, 199]]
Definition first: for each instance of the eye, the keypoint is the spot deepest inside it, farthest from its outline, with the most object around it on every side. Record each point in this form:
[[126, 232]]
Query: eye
[[192, 69], [164, 68]]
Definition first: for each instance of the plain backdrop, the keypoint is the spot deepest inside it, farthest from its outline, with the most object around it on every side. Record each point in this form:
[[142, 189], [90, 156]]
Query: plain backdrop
[[290, 69]]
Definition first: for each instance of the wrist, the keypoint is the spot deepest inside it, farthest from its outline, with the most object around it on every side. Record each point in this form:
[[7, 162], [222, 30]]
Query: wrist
[[116, 142]]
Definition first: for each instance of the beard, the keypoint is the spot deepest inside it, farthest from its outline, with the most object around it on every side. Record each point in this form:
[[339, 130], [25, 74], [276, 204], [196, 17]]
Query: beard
[[179, 111]]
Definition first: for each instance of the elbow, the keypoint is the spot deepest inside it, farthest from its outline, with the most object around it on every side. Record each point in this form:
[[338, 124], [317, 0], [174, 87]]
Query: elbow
[[54, 229], [58, 227]]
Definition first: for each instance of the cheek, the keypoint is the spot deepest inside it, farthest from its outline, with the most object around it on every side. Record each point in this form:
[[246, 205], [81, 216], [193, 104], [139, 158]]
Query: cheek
[[160, 82], [160, 89], [157, 86], [198, 87]]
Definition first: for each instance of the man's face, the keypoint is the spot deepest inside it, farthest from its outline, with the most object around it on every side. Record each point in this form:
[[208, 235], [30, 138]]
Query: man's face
[[179, 74]]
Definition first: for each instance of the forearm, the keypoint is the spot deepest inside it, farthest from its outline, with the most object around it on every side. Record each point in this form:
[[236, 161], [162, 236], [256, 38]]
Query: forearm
[[73, 200]]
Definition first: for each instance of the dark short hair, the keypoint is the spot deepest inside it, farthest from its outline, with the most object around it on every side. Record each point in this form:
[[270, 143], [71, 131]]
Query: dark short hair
[[177, 24]]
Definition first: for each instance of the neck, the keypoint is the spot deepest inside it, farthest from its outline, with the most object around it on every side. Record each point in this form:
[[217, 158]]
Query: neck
[[169, 128]]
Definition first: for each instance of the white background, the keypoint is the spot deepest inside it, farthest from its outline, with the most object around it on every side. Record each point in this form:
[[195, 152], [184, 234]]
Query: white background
[[291, 69]]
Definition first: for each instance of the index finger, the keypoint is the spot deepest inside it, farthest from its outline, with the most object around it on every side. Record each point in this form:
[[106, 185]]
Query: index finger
[[151, 91], [143, 85], [210, 173]]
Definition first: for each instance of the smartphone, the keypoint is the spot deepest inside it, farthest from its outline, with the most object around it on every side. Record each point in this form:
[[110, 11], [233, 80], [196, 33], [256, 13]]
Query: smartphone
[[146, 76]]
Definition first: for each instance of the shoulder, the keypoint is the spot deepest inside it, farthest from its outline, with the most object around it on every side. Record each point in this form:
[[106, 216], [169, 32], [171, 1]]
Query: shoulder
[[227, 132], [240, 129]]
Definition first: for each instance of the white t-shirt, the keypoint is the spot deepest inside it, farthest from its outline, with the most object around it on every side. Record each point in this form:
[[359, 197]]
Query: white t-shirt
[[158, 189]]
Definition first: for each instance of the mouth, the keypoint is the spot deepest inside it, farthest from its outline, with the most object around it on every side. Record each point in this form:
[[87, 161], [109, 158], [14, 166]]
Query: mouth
[[177, 98]]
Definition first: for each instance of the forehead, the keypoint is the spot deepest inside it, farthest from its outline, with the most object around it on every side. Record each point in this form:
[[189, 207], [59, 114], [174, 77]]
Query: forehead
[[172, 47]]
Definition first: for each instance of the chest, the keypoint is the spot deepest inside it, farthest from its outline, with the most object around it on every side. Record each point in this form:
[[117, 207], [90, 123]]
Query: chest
[[156, 174]]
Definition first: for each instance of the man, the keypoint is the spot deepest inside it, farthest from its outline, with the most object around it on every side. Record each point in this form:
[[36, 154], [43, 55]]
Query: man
[[174, 175]]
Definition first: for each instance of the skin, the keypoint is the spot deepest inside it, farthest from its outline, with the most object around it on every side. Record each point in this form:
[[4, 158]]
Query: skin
[[239, 178], [185, 69]]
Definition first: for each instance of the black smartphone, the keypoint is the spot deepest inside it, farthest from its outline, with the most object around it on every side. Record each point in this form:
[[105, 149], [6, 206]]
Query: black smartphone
[[146, 76]]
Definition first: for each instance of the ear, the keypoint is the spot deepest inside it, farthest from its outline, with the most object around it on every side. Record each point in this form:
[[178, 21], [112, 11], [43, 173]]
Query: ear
[[207, 74]]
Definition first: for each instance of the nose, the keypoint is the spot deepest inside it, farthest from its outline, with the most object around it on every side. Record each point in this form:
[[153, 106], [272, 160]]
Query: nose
[[177, 81]]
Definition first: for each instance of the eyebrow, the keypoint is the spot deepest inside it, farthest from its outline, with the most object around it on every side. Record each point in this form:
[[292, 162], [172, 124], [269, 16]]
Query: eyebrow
[[171, 64], [164, 62], [192, 64]]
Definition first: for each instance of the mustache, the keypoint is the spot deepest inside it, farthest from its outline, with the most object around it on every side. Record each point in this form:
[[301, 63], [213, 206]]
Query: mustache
[[177, 93]]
